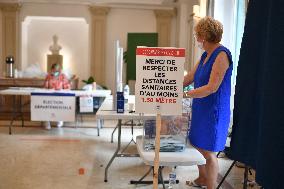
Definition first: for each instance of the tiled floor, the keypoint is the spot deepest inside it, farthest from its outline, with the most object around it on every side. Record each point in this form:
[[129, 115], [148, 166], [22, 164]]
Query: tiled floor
[[34, 158]]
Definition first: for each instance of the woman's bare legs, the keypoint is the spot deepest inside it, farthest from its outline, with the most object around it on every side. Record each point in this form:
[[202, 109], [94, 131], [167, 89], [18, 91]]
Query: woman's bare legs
[[211, 169], [201, 180]]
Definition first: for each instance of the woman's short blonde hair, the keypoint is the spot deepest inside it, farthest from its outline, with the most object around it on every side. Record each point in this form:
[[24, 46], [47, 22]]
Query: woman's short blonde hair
[[209, 29]]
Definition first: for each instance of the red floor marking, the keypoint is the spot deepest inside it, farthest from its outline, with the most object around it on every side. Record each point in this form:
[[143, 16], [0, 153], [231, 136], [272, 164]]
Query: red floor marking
[[81, 171], [225, 184], [50, 139]]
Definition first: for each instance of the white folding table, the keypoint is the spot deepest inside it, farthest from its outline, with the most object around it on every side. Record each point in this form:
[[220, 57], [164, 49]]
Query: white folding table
[[26, 91], [189, 157], [106, 112]]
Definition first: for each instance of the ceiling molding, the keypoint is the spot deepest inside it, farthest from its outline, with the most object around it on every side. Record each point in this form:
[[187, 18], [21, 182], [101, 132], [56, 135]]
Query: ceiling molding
[[144, 7], [10, 6], [96, 2], [99, 11], [122, 4], [165, 13]]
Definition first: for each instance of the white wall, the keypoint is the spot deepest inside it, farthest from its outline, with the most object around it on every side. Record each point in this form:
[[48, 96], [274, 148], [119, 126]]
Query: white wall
[[69, 22], [55, 10], [73, 38], [119, 23]]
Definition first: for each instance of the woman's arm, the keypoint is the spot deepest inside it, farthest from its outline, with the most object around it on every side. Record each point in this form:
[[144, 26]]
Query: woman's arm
[[46, 82], [65, 82], [217, 74], [188, 79]]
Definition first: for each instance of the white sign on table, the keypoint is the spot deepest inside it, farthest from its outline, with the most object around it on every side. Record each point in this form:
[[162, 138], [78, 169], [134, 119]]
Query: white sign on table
[[159, 80], [86, 104], [53, 107]]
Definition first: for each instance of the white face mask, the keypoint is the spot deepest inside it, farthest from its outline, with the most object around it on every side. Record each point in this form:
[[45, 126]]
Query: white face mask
[[200, 44], [56, 74]]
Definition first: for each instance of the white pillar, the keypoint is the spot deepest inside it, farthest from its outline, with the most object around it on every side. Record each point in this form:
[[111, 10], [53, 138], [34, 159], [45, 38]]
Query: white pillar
[[98, 43], [185, 24], [164, 26]]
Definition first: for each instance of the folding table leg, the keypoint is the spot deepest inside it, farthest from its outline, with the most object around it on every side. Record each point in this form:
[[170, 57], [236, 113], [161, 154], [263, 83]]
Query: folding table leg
[[229, 170], [218, 153], [161, 177], [111, 140], [246, 177], [132, 139], [21, 111], [142, 178], [117, 149], [98, 126], [13, 115]]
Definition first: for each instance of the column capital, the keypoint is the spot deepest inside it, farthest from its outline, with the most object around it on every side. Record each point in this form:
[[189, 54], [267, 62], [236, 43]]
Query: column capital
[[10, 7], [192, 2], [99, 11], [165, 13]]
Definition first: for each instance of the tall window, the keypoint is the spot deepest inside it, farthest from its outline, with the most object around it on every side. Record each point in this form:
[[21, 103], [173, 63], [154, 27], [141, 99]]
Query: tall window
[[240, 15], [232, 15]]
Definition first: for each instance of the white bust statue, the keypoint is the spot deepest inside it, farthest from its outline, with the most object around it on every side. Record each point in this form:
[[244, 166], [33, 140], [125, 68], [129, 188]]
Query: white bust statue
[[55, 47]]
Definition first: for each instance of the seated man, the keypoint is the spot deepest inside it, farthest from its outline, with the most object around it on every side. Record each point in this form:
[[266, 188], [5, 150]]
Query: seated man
[[56, 80]]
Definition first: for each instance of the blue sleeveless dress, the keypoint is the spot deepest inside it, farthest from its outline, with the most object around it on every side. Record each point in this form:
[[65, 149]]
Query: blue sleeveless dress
[[211, 114]]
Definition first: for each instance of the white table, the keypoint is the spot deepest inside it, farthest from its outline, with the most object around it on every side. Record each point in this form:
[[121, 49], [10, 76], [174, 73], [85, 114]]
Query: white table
[[27, 91], [189, 157], [106, 112]]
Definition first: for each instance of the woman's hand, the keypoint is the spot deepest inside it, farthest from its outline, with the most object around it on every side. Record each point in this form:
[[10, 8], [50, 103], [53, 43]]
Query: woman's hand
[[186, 94]]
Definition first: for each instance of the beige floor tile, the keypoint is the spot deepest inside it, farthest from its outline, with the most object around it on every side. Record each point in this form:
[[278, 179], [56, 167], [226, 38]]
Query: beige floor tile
[[34, 158]]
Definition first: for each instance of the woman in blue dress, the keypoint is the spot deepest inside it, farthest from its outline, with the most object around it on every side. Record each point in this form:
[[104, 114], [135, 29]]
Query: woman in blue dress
[[211, 99]]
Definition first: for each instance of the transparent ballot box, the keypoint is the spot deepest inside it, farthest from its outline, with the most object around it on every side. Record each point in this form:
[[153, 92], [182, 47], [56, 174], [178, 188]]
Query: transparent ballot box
[[174, 131]]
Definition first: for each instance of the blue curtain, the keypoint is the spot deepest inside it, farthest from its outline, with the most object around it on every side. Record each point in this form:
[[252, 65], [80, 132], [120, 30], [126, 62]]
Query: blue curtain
[[258, 119]]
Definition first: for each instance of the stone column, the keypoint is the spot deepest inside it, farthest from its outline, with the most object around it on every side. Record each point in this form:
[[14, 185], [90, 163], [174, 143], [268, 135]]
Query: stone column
[[98, 43], [164, 26], [183, 32], [9, 32]]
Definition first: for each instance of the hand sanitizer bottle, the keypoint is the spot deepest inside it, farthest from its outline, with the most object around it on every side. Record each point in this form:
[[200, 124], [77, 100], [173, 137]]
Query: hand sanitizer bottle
[[172, 179], [120, 102], [126, 92]]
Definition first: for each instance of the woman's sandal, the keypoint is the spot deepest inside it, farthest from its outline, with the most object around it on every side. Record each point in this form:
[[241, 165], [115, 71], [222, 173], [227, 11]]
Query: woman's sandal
[[194, 184]]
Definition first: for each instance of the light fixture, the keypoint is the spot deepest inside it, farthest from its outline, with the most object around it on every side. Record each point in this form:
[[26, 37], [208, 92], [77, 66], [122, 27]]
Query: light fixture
[[196, 10]]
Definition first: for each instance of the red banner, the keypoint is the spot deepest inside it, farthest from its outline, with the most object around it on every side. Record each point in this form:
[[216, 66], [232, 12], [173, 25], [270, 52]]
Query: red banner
[[160, 52]]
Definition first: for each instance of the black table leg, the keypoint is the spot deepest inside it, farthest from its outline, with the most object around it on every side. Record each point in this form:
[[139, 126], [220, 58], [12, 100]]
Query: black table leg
[[246, 177]]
